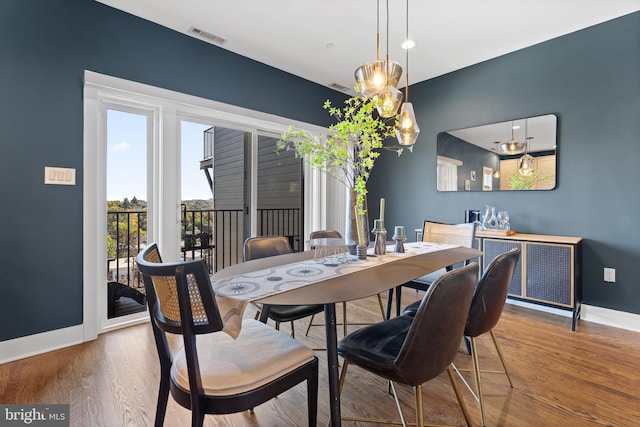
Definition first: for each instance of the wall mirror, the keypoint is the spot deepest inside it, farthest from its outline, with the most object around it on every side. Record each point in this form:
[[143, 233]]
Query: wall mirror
[[518, 154]]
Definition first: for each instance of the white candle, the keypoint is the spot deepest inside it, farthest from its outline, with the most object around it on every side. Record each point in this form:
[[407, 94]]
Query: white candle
[[382, 209]]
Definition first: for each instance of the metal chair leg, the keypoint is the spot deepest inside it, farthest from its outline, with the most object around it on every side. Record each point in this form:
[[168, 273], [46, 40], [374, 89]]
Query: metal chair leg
[[419, 413], [504, 366], [456, 390], [476, 374]]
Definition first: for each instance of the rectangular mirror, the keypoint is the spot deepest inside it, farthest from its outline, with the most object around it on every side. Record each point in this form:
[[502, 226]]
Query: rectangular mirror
[[517, 154]]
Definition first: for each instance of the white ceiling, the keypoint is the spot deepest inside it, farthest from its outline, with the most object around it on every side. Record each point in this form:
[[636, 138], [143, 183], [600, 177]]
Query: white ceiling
[[295, 35]]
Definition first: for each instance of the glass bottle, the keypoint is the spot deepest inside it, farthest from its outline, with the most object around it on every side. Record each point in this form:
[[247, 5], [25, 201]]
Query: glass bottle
[[490, 221]]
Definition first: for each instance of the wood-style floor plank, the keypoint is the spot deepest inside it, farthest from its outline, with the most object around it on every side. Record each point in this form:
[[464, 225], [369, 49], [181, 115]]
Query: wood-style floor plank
[[590, 377]]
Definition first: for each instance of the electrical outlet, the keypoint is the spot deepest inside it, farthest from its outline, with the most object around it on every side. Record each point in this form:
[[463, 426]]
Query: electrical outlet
[[609, 275]]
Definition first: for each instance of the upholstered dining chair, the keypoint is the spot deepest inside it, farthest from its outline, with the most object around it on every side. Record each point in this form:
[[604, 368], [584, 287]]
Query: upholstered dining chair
[[266, 246], [413, 350], [214, 373], [486, 309], [435, 232]]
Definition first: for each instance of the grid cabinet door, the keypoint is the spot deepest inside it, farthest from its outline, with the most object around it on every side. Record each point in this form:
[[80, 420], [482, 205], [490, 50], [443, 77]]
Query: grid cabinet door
[[549, 271], [493, 248]]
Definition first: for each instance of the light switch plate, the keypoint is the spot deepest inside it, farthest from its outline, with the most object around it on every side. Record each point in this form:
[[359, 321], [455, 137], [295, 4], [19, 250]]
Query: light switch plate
[[59, 176]]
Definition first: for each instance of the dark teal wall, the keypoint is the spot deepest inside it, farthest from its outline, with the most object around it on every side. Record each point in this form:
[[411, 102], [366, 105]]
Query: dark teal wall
[[591, 80], [45, 46]]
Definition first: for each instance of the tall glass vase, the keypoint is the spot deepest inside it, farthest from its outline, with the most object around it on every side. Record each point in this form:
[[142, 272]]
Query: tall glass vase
[[351, 229]]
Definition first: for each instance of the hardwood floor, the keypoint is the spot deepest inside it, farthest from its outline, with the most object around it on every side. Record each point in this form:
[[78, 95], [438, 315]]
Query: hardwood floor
[[590, 377]]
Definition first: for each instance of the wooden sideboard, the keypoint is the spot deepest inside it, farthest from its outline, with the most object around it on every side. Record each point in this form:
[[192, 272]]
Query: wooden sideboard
[[549, 272]]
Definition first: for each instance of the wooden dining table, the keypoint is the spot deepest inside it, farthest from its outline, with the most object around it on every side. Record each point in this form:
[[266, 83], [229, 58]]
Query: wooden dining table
[[296, 279]]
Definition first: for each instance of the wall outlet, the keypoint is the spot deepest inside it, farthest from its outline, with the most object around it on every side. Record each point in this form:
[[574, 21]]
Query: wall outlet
[[610, 275]]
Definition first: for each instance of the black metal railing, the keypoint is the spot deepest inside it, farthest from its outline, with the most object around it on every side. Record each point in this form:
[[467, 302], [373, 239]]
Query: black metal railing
[[216, 236]]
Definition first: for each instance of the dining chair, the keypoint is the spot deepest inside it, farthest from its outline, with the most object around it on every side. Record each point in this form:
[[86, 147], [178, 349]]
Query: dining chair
[[435, 232], [214, 373], [414, 350], [266, 246], [486, 309]]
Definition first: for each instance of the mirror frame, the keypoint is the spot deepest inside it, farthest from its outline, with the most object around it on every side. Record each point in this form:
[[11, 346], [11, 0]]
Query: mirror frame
[[467, 157]]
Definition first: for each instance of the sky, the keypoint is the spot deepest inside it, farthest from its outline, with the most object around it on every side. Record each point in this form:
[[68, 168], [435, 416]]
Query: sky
[[126, 158]]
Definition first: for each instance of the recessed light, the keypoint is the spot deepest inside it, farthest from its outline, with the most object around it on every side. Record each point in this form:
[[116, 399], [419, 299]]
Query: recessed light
[[408, 44]]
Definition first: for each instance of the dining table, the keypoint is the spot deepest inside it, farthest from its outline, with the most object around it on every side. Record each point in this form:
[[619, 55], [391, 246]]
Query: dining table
[[299, 279]]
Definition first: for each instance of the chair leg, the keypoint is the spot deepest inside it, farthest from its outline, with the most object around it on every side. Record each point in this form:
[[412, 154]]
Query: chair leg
[[398, 299], [312, 397], [456, 390], [389, 303], [381, 307], [163, 399], [293, 331], [419, 413], [504, 366], [343, 374], [197, 419], [477, 375], [306, 334]]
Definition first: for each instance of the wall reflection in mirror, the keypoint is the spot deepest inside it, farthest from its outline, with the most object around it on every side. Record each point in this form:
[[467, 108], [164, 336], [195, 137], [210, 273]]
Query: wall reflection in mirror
[[517, 154]]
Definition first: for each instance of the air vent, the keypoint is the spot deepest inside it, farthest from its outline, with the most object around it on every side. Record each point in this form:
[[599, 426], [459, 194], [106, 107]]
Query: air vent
[[206, 35], [339, 87]]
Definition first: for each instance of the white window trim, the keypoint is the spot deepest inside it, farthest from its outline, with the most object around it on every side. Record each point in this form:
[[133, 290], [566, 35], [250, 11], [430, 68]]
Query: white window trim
[[168, 106]]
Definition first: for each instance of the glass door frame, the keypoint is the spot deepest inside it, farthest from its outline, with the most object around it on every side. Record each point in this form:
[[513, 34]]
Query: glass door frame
[[164, 180]]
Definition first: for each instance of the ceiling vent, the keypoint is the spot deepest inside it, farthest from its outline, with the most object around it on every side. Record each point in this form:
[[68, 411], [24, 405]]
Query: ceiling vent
[[208, 36], [339, 87]]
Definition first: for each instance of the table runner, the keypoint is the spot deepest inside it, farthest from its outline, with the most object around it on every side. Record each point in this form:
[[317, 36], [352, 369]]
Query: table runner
[[235, 292]]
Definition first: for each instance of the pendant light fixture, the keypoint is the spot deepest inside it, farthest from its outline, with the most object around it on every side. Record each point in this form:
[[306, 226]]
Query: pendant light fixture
[[408, 130], [390, 98], [371, 77], [525, 164], [513, 146]]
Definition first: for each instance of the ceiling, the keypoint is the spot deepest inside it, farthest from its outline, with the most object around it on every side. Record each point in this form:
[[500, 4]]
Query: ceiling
[[324, 41]]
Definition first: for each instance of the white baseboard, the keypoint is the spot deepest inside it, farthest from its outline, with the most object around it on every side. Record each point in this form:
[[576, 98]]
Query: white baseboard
[[615, 318], [590, 313], [19, 348]]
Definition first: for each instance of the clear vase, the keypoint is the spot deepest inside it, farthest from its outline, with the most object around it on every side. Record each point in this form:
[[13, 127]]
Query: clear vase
[[352, 233]]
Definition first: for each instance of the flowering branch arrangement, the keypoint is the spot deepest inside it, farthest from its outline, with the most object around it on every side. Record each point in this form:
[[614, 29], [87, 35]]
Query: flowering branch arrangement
[[350, 150]]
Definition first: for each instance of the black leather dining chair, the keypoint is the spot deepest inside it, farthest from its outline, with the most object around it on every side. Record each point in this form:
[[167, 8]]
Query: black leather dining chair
[[486, 309], [266, 246], [214, 373], [413, 350]]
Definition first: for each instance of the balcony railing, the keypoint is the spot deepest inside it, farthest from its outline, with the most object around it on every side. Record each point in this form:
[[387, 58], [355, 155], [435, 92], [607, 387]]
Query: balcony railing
[[216, 236]]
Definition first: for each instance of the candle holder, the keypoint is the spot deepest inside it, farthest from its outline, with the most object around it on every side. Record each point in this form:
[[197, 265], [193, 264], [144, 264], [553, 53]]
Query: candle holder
[[381, 241], [399, 236], [399, 248]]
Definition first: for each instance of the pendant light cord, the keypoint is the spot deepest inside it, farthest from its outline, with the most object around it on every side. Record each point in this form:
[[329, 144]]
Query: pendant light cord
[[386, 63], [377, 29], [406, 73]]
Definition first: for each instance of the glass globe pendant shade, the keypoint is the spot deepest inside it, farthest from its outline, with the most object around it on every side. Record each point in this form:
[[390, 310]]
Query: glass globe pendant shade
[[371, 78], [408, 130], [389, 100], [513, 146], [394, 72], [525, 165]]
